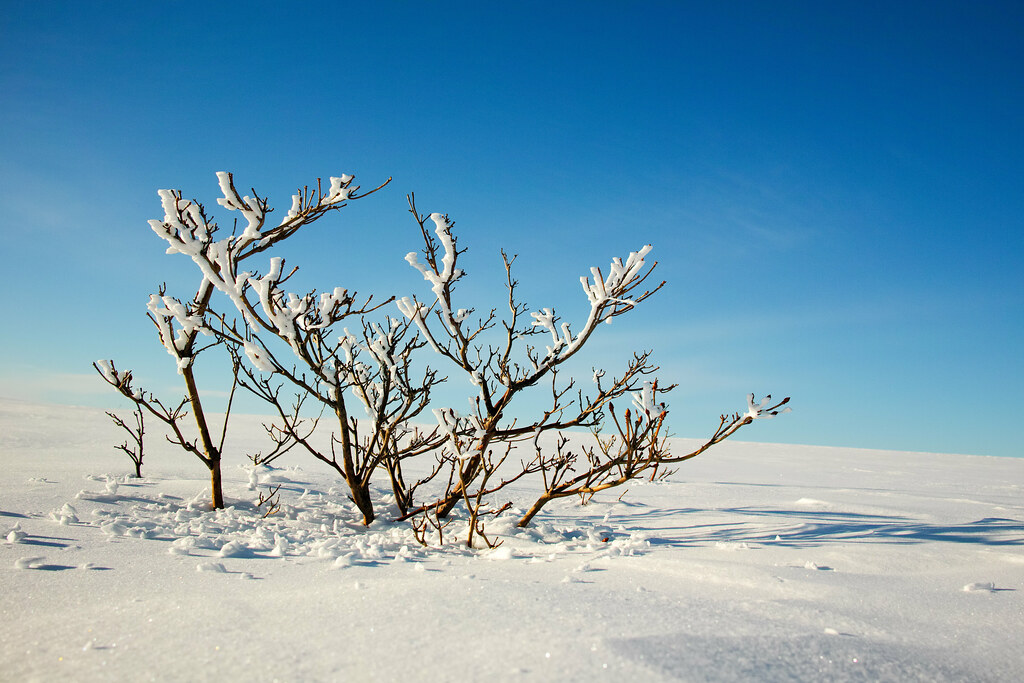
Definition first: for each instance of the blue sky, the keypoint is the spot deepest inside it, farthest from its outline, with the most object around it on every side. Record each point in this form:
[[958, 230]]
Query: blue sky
[[832, 190]]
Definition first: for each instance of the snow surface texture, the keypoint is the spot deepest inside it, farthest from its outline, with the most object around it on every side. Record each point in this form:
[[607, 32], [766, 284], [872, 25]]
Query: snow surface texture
[[753, 562]]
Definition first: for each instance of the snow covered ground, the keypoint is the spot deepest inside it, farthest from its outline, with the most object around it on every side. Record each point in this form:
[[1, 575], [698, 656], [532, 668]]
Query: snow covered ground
[[754, 562]]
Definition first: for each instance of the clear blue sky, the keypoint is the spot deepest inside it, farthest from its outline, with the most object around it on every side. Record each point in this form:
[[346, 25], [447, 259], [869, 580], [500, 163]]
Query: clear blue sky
[[833, 190]]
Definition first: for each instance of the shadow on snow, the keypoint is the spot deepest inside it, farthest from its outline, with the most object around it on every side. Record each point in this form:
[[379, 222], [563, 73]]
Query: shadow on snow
[[803, 528]]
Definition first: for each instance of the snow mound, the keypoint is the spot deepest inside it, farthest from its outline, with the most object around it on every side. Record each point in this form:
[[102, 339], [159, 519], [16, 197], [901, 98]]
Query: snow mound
[[981, 587], [29, 562]]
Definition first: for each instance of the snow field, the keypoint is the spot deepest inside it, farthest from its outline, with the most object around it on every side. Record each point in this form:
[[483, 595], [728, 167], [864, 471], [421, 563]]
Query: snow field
[[755, 562]]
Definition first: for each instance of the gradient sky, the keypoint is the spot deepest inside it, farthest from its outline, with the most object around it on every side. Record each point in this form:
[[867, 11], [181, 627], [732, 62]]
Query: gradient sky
[[833, 190]]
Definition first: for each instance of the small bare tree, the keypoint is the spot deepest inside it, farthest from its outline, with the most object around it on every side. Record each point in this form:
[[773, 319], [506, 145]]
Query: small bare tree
[[172, 418], [136, 432], [272, 499]]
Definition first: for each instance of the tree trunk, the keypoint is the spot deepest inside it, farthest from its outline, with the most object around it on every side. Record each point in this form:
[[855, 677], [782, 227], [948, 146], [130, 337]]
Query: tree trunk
[[216, 488], [466, 476], [361, 497], [403, 499], [532, 512], [360, 491], [211, 455]]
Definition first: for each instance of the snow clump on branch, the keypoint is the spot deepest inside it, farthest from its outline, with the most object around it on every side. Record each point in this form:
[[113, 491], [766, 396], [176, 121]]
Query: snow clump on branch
[[644, 401], [758, 412]]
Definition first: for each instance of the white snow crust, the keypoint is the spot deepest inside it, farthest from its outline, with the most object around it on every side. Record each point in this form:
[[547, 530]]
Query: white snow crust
[[754, 562]]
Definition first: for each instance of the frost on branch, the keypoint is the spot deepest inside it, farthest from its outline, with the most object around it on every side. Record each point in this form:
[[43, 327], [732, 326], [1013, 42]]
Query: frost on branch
[[608, 297], [760, 411], [440, 270], [416, 312], [177, 325], [644, 402], [258, 356], [341, 189], [251, 208]]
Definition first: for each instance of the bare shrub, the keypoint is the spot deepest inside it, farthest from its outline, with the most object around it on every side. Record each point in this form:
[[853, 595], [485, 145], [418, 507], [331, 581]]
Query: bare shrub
[[136, 432], [277, 338]]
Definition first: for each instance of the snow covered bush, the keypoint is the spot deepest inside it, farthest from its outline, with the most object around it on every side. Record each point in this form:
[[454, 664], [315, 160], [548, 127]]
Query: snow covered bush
[[338, 350]]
